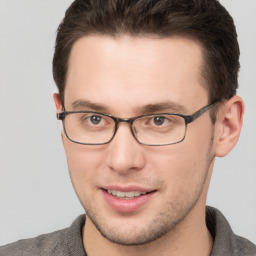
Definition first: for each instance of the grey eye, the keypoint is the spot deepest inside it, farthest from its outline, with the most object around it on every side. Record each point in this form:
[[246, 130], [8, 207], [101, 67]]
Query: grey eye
[[159, 120], [95, 119]]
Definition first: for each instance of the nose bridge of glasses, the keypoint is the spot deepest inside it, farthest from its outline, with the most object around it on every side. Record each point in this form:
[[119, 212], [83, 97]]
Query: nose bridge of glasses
[[124, 120], [129, 121]]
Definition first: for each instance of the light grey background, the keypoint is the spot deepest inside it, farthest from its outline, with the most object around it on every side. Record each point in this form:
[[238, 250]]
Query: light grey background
[[36, 195]]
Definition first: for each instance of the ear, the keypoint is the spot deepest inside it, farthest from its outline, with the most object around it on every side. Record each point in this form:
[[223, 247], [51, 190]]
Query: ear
[[57, 101], [58, 105], [228, 125]]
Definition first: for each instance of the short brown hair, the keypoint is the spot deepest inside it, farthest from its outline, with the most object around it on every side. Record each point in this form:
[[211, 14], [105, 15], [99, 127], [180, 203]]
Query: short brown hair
[[206, 21]]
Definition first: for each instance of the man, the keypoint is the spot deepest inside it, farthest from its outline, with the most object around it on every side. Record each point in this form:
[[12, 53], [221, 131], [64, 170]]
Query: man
[[147, 98]]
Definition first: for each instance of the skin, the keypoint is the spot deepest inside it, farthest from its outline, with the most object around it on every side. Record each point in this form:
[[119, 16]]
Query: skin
[[121, 76]]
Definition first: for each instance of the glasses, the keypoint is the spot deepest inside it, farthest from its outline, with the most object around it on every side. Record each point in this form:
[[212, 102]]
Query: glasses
[[93, 128]]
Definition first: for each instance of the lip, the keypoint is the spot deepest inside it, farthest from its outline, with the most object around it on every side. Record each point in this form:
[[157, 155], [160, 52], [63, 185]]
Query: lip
[[127, 205], [128, 188]]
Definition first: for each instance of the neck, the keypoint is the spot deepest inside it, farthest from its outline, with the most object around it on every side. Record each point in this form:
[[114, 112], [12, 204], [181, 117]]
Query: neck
[[191, 237]]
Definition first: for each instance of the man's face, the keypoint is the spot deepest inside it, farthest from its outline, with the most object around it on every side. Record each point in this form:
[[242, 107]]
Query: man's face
[[125, 77]]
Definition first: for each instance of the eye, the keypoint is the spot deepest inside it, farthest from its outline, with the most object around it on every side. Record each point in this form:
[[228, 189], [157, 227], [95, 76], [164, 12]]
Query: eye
[[156, 121], [159, 120], [95, 119]]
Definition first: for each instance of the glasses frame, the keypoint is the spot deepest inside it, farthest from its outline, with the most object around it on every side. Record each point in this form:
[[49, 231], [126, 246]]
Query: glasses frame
[[187, 118]]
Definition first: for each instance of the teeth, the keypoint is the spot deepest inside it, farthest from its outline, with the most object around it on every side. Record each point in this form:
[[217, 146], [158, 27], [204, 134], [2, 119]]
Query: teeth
[[120, 194], [126, 195]]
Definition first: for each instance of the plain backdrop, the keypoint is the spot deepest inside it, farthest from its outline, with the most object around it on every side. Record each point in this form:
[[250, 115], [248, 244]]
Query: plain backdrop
[[36, 195]]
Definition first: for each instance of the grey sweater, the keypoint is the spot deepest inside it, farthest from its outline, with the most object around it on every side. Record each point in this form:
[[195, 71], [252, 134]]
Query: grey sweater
[[68, 242]]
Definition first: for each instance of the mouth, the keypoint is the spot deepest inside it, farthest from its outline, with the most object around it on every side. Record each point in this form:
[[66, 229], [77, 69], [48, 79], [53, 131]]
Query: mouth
[[126, 195], [127, 200]]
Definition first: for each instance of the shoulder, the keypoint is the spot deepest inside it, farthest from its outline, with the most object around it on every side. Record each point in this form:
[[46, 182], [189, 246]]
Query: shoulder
[[62, 242], [226, 242], [40, 245], [244, 246]]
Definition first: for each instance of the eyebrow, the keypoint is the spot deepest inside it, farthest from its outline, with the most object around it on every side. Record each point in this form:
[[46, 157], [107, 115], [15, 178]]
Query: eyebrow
[[81, 104], [166, 106]]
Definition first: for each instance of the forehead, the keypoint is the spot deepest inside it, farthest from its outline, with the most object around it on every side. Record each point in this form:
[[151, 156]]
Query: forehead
[[129, 72]]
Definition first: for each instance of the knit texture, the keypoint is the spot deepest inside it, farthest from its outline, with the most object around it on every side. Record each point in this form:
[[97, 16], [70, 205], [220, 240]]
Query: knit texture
[[68, 242]]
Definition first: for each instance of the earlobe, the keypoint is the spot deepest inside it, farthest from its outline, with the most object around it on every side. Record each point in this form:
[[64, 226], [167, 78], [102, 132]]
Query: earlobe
[[228, 125], [57, 101]]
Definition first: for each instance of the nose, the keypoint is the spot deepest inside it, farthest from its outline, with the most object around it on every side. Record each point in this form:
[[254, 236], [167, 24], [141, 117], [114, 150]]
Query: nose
[[125, 154]]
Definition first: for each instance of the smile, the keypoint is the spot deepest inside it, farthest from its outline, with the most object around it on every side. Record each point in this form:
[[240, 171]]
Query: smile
[[126, 195], [128, 199]]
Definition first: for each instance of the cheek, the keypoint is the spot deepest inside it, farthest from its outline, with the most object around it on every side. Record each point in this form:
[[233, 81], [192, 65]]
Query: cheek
[[182, 165], [172, 161], [83, 163]]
